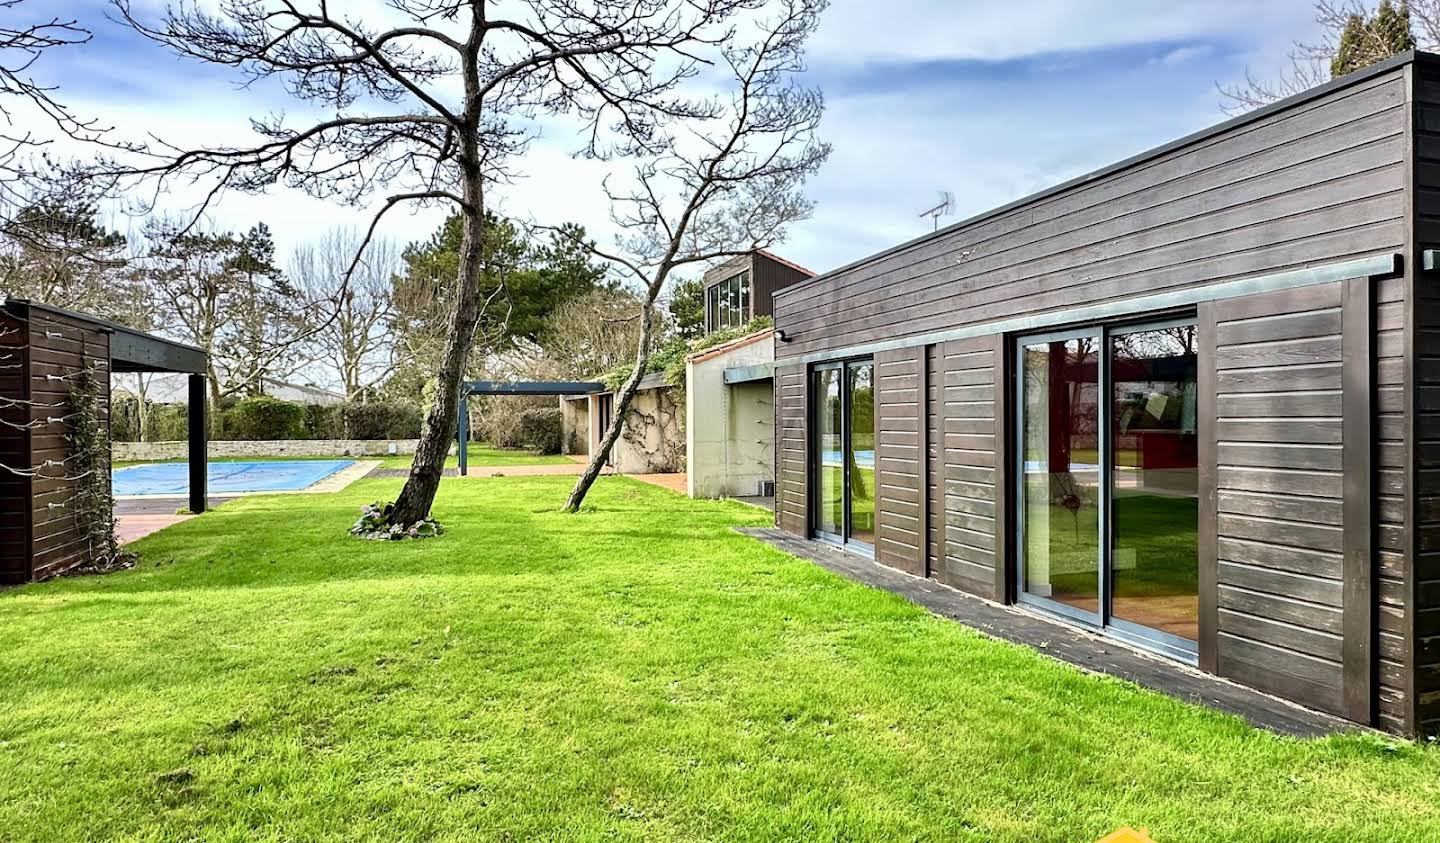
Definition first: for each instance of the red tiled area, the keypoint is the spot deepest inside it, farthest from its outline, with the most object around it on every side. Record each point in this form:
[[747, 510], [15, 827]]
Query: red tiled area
[[129, 528]]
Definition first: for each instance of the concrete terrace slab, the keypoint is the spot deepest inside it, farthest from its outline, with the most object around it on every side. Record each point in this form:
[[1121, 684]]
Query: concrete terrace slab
[[1066, 643]]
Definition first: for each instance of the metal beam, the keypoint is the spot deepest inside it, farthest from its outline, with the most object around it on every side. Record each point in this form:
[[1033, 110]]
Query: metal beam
[[749, 374], [462, 435], [199, 441], [531, 388]]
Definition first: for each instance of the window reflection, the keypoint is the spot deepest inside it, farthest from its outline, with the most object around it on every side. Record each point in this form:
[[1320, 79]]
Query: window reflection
[[1061, 496], [728, 303], [861, 452], [1155, 576]]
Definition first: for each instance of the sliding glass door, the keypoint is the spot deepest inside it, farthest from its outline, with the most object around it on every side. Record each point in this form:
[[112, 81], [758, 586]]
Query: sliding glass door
[[843, 453], [1107, 502], [1060, 492]]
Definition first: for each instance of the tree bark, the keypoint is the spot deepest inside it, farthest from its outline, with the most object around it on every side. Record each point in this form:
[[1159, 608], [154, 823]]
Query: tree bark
[[438, 429], [617, 417]]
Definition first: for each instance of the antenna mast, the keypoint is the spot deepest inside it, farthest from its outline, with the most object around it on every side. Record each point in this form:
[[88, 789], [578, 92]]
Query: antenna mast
[[944, 209]]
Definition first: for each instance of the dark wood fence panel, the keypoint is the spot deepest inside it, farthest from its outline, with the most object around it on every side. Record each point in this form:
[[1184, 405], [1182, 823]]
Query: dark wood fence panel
[[1391, 479], [899, 466], [14, 452], [935, 454], [792, 454], [968, 437], [58, 541], [1319, 182], [1279, 473], [1419, 644]]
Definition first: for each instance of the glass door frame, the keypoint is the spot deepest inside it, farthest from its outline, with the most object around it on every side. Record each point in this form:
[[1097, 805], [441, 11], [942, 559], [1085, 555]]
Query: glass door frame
[[816, 481], [1102, 620], [1096, 619]]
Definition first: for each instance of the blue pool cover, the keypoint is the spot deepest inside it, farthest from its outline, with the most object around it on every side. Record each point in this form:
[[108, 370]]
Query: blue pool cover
[[173, 478]]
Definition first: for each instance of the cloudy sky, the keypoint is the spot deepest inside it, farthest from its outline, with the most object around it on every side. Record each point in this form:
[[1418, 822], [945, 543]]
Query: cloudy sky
[[988, 99]]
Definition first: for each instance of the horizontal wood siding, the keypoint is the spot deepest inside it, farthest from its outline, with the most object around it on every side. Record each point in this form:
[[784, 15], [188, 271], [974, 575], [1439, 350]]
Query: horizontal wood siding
[[968, 440], [15, 453], [57, 539], [1278, 408], [1321, 182], [1391, 481], [1424, 394], [792, 454], [898, 470]]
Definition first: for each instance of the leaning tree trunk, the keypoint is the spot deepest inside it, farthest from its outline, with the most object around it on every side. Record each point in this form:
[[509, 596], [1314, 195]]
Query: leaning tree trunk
[[617, 417], [439, 428]]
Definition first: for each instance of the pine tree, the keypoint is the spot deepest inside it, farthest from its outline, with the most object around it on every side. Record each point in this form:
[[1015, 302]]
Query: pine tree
[[1366, 40]]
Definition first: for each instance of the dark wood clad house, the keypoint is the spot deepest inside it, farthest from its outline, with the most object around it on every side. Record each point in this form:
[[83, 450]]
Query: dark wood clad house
[[744, 287], [41, 350], [1190, 401]]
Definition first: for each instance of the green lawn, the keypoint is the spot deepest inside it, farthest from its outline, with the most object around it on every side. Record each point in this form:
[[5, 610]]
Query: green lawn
[[480, 454], [636, 672]]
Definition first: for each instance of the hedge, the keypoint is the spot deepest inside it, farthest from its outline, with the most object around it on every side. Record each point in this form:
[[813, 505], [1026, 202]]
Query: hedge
[[266, 418], [540, 430]]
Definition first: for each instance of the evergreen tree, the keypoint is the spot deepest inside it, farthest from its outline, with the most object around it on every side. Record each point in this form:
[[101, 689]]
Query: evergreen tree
[[1367, 39], [687, 308], [523, 282]]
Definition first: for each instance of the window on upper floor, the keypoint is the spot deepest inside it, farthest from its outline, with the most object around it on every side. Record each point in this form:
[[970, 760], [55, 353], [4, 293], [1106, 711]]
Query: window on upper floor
[[728, 304]]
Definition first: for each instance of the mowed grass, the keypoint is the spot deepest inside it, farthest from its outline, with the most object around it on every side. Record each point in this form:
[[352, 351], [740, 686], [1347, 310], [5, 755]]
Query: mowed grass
[[635, 672], [482, 455]]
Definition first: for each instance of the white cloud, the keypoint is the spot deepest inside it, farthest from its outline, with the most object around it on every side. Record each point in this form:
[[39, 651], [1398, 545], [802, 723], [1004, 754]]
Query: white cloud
[[987, 140]]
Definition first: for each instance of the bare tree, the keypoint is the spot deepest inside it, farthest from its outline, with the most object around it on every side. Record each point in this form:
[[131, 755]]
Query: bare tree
[[1310, 63], [589, 335], [358, 341], [718, 185], [426, 108], [22, 46], [222, 292]]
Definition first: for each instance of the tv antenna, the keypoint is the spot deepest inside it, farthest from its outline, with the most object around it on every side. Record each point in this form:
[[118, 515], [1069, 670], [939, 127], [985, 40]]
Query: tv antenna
[[944, 209]]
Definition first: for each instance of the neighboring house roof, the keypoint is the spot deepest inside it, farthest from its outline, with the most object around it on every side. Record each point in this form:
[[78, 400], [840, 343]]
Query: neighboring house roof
[[174, 389], [710, 353], [793, 265]]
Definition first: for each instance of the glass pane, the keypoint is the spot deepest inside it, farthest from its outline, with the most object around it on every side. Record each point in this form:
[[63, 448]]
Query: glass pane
[[1061, 494], [1156, 510], [712, 308], [734, 287], [861, 452], [830, 484], [745, 309]]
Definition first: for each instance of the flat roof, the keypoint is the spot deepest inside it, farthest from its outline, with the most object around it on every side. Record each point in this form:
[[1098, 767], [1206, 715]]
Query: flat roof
[[131, 350], [1359, 76]]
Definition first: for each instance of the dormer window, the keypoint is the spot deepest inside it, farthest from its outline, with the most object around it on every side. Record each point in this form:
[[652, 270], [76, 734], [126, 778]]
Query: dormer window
[[728, 303]]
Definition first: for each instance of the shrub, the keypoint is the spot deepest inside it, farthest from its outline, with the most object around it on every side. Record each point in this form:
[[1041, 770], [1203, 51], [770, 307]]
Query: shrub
[[496, 419], [323, 421], [380, 420], [168, 423], [540, 430], [263, 418], [124, 418]]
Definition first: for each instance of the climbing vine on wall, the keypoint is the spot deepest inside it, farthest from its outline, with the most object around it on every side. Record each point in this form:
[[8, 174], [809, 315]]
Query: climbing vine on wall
[[91, 504]]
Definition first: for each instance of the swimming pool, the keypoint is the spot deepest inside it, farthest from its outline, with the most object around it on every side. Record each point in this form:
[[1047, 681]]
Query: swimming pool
[[224, 478]]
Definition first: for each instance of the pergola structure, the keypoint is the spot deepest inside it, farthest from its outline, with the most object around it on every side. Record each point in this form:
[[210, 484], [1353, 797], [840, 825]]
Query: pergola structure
[[43, 349], [469, 388]]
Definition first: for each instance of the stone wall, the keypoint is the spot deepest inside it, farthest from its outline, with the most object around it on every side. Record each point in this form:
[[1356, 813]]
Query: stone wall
[[143, 451]]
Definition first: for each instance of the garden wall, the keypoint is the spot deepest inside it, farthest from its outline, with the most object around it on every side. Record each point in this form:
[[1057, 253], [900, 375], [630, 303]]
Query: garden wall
[[143, 451]]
